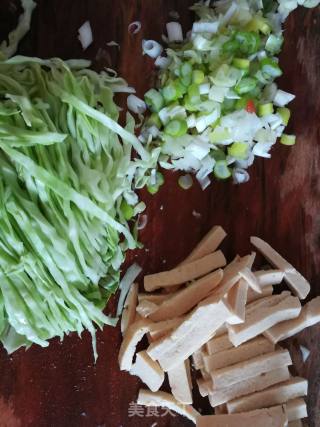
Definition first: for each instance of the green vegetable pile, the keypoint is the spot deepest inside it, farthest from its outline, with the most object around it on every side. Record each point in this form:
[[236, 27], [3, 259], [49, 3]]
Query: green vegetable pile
[[66, 194], [217, 106]]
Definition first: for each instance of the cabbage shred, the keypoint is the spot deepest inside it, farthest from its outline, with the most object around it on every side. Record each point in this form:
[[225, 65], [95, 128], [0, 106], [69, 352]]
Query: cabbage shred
[[66, 186]]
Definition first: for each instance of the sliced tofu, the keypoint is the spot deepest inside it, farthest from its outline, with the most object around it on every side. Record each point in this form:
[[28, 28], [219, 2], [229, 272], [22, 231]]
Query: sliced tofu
[[265, 292], [185, 272], [253, 348], [155, 298], [204, 386], [236, 300], [269, 277], [148, 371], [231, 275], [272, 417], [192, 334], [296, 409], [166, 400], [248, 386], [262, 315], [180, 383], [297, 283], [188, 298], [217, 344], [221, 331], [131, 339], [197, 358], [145, 308], [275, 395], [310, 315], [160, 329], [253, 367], [251, 279], [129, 309], [207, 245]]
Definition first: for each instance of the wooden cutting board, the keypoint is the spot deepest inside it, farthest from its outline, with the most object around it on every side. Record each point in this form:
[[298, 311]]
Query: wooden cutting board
[[61, 386]]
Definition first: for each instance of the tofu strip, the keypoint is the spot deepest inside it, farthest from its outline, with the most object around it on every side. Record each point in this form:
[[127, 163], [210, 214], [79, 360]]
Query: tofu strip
[[186, 272], [217, 344], [269, 277], [309, 316], [262, 315], [272, 417], [166, 400], [296, 409], [297, 423], [253, 348], [275, 395], [253, 296], [192, 334], [247, 386], [180, 383], [208, 244], [236, 300], [131, 339], [159, 329], [297, 283], [251, 279], [186, 299], [225, 377], [148, 371]]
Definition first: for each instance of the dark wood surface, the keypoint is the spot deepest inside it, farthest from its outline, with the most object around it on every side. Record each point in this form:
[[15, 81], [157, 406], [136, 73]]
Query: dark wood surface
[[60, 386]]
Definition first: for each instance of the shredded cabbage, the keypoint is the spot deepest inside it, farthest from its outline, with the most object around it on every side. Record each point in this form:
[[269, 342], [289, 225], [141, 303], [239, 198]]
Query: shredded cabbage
[[66, 190]]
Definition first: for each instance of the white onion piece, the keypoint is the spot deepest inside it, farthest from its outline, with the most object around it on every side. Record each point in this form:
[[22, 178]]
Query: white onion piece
[[134, 27], [174, 31], [282, 98], [151, 48], [126, 282], [204, 183], [185, 181], [162, 62], [229, 14], [204, 89], [85, 35], [205, 27], [305, 353], [142, 222], [136, 105], [240, 176]]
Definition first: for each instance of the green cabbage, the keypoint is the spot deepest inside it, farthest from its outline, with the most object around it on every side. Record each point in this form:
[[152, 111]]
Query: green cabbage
[[65, 176]]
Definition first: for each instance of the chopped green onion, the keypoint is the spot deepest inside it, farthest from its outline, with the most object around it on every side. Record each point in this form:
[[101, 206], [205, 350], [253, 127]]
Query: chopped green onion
[[176, 128], [288, 139], [126, 210], [285, 114], [154, 119], [153, 189], [239, 150], [265, 109], [154, 100], [241, 63], [173, 91], [270, 67], [194, 94], [219, 134], [274, 43], [230, 47], [258, 23], [197, 77], [245, 85], [186, 73], [218, 154], [221, 170], [249, 42]]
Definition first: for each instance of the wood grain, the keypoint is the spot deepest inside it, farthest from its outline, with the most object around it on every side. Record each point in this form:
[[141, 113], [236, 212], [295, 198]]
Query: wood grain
[[60, 386]]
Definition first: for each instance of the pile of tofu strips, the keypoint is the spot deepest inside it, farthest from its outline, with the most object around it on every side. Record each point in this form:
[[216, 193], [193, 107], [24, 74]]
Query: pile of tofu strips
[[226, 318]]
